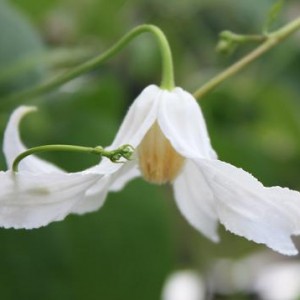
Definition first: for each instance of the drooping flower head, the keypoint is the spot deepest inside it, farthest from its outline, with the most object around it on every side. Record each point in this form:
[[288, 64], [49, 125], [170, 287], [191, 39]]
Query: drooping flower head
[[169, 134]]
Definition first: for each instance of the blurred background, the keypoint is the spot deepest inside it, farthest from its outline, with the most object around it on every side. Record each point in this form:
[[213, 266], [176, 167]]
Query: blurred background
[[130, 248]]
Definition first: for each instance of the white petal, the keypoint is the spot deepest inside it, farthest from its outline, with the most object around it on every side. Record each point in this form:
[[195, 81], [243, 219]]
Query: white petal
[[139, 118], [13, 146], [196, 201], [126, 173], [247, 208], [181, 120], [33, 200], [95, 196]]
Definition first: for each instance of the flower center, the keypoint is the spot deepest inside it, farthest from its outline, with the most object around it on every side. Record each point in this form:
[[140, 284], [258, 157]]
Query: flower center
[[159, 162]]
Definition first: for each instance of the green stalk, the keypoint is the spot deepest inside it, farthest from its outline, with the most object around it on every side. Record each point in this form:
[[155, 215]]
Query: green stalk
[[167, 80], [271, 40]]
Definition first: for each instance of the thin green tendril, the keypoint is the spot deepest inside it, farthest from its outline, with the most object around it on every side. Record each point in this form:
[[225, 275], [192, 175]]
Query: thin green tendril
[[124, 151]]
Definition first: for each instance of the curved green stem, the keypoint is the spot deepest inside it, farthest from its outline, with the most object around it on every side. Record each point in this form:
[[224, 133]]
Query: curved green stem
[[271, 41], [167, 81], [124, 151]]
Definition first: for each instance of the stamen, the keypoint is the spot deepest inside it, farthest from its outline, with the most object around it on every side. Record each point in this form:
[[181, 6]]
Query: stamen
[[158, 160]]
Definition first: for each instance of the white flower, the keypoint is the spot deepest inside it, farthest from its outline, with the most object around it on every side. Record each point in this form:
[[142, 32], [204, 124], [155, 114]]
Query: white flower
[[184, 285], [40, 192], [279, 281], [172, 145], [168, 130]]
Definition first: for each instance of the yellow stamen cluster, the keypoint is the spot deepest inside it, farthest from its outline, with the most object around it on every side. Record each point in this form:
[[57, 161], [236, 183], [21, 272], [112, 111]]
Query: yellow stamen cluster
[[159, 162]]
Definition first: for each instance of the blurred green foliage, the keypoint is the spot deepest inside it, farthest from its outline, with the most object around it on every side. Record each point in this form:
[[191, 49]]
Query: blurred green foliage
[[126, 250], [19, 42]]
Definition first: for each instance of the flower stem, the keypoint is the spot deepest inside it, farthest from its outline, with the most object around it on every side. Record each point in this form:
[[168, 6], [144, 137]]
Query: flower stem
[[124, 151], [272, 39], [167, 81]]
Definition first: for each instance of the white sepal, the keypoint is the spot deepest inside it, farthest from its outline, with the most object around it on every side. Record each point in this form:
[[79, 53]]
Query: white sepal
[[33, 200], [13, 146], [245, 207], [196, 201]]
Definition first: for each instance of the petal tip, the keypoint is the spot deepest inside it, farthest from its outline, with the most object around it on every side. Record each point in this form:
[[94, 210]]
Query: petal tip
[[289, 252], [24, 109]]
